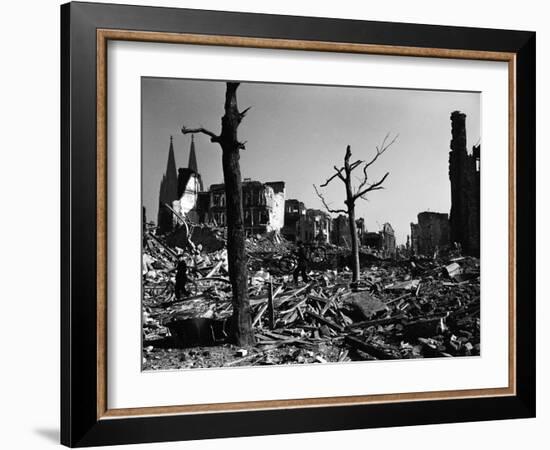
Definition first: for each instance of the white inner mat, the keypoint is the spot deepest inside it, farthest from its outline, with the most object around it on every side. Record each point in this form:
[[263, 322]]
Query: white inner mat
[[129, 387]]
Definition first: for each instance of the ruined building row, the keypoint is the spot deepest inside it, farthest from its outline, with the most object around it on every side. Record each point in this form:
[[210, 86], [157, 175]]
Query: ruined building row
[[265, 209], [313, 225], [184, 192], [435, 231]]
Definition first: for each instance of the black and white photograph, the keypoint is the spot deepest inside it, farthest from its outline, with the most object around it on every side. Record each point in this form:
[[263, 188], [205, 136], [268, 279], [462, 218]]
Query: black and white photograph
[[305, 224], [275, 224]]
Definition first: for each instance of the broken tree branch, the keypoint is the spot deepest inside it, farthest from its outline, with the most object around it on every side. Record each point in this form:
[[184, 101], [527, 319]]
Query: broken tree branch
[[325, 204], [242, 114], [355, 164], [372, 187], [380, 150], [188, 230], [213, 137], [337, 174]]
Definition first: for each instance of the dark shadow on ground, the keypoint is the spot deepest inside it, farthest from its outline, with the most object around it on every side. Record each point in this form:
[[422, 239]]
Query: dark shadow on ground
[[50, 434]]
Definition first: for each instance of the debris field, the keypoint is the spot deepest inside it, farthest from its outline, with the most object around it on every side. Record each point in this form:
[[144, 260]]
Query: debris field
[[402, 308]]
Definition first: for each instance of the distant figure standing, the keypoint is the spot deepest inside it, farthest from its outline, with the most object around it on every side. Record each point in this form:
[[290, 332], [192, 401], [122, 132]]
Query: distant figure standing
[[302, 256], [181, 279]]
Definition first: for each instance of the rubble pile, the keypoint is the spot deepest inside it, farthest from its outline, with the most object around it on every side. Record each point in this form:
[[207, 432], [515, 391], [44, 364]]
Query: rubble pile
[[268, 243], [414, 308]]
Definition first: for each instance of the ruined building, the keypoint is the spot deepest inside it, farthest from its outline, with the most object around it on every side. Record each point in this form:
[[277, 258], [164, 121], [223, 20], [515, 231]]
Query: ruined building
[[371, 239], [340, 230], [189, 187], [306, 224], [382, 241], [431, 233], [388, 240], [168, 192], [295, 212], [464, 173], [263, 204], [316, 226]]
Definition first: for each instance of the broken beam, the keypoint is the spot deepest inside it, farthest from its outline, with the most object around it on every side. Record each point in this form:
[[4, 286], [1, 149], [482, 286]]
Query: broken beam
[[327, 322], [367, 348]]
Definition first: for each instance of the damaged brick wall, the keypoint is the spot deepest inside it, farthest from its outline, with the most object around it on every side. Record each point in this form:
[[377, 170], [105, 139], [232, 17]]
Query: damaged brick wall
[[431, 233], [316, 226], [340, 231], [464, 174], [388, 240], [294, 210], [263, 203], [189, 186], [275, 202]]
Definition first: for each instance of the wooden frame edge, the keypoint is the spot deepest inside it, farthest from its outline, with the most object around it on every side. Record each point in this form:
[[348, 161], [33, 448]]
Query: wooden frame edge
[[101, 223], [303, 403], [512, 230], [290, 44], [103, 36]]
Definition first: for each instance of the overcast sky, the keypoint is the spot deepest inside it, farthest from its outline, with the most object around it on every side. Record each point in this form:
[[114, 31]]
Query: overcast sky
[[297, 133]]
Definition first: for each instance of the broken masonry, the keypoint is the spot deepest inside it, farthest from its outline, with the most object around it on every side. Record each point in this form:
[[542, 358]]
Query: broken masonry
[[460, 230], [464, 174], [403, 309]]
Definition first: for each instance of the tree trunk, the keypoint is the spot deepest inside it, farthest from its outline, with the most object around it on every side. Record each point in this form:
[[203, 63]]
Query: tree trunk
[[354, 244], [350, 202], [351, 197], [238, 273]]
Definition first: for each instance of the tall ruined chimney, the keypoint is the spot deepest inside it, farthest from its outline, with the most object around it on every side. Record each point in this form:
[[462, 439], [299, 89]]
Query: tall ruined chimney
[[465, 199], [458, 131], [457, 158]]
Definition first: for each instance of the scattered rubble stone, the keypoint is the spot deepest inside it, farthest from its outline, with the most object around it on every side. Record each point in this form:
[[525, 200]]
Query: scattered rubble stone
[[401, 308]]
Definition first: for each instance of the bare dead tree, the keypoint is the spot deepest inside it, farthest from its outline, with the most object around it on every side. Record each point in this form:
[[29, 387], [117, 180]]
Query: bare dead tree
[[344, 174], [238, 273]]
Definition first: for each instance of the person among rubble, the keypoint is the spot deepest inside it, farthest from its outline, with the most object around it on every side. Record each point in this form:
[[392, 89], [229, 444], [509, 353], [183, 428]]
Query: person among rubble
[[458, 248], [198, 259], [302, 263], [181, 278]]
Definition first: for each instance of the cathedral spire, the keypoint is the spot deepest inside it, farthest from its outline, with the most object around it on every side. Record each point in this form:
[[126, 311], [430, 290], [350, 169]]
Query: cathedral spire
[[193, 157], [168, 191], [171, 164]]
